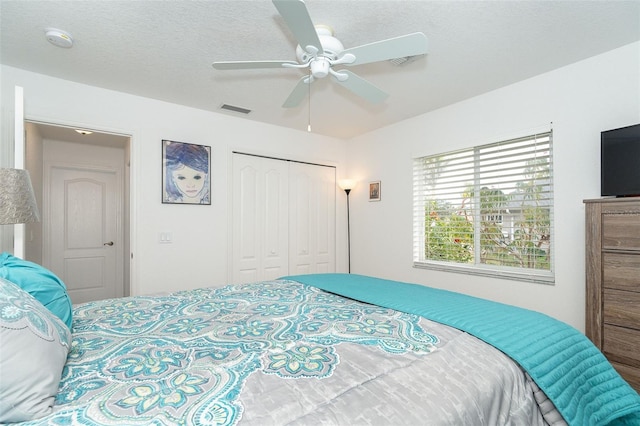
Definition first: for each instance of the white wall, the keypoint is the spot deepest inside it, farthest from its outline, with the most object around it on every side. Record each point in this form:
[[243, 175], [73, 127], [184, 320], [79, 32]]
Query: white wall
[[581, 100], [198, 255]]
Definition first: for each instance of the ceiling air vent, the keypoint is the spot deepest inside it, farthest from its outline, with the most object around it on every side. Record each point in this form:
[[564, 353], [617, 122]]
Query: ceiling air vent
[[235, 109], [405, 59]]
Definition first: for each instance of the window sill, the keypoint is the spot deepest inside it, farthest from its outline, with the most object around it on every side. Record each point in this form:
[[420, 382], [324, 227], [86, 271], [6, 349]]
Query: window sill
[[538, 277]]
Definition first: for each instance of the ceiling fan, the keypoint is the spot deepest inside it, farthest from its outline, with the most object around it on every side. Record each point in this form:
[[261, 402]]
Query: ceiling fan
[[319, 51]]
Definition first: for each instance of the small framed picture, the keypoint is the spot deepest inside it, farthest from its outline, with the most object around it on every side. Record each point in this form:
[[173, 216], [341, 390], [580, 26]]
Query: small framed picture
[[186, 171], [374, 191]]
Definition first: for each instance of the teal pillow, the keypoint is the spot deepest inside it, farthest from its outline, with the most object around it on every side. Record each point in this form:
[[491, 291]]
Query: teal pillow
[[40, 283]]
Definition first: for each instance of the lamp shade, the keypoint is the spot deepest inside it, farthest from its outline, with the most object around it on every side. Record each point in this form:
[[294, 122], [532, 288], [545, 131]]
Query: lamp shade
[[347, 184], [17, 200]]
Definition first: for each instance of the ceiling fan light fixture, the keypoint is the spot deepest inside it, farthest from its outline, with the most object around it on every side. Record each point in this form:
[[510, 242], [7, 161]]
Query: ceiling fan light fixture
[[318, 50], [331, 46], [320, 67]]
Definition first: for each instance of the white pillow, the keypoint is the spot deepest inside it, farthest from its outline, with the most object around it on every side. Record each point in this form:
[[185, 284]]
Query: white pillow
[[33, 351]]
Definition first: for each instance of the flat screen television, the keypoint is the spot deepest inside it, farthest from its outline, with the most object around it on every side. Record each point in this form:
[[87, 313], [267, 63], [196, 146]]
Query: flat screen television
[[620, 162]]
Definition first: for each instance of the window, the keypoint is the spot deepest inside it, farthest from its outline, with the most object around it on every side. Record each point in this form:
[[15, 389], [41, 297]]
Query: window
[[487, 210]]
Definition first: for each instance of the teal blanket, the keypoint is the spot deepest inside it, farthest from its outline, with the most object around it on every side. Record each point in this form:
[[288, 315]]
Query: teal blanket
[[564, 363]]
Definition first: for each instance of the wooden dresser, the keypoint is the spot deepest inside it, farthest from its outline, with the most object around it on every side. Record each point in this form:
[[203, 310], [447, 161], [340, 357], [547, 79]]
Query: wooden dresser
[[613, 282]]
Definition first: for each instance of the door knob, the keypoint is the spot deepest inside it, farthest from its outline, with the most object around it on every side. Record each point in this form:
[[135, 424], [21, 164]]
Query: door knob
[[110, 243]]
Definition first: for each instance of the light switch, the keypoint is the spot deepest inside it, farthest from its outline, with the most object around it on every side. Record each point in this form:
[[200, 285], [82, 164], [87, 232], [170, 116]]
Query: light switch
[[166, 238]]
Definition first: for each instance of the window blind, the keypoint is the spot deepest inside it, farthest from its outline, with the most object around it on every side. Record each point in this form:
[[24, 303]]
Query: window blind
[[487, 209]]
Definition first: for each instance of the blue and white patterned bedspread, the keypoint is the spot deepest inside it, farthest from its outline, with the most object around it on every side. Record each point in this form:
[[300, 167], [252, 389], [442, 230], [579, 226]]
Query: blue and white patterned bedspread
[[217, 356]]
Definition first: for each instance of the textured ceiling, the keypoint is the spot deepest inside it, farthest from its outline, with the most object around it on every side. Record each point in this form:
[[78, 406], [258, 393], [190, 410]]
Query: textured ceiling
[[164, 50]]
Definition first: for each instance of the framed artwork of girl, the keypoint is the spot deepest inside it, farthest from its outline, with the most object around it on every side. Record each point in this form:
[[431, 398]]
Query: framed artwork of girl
[[185, 173]]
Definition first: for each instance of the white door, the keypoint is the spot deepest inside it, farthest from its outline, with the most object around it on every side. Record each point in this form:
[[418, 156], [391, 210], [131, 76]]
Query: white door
[[283, 218], [260, 219], [312, 225], [85, 231]]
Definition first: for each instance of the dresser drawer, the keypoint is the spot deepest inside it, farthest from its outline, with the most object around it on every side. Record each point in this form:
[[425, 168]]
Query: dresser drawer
[[621, 271], [622, 308], [630, 374], [621, 345], [621, 231]]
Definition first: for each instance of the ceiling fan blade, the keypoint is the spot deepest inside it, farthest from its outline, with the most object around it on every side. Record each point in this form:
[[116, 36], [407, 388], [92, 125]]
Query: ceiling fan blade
[[243, 65], [298, 94], [398, 47], [361, 87], [296, 16]]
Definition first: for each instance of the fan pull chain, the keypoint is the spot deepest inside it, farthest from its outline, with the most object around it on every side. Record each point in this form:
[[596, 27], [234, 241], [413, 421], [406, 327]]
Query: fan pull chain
[[309, 108]]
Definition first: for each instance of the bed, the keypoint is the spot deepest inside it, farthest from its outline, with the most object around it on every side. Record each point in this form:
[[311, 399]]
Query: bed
[[326, 349]]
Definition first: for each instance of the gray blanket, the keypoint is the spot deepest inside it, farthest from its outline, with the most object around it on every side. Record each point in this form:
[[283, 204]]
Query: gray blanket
[[463, 382]]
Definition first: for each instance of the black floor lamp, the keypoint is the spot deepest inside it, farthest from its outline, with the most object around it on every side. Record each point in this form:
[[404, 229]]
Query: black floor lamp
[[347, 185]]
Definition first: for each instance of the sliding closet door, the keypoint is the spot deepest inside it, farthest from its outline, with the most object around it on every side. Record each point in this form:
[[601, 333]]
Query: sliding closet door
[[283, 218], [260, 219], [312, 221]]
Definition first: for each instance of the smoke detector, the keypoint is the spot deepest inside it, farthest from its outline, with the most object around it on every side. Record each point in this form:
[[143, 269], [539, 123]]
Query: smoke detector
[[58, 37]]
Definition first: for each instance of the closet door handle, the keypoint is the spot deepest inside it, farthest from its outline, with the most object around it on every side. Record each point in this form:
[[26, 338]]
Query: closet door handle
[[110, 243]]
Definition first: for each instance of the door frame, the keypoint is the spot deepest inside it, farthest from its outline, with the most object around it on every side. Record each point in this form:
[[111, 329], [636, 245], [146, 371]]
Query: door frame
[[128, 199], [18, 163]]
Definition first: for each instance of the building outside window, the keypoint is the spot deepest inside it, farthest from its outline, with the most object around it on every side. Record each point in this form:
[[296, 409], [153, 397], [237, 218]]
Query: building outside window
[[487, 210]]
